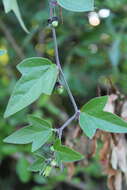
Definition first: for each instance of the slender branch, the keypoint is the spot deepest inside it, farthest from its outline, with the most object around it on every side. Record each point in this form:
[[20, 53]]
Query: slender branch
[[59, 65]]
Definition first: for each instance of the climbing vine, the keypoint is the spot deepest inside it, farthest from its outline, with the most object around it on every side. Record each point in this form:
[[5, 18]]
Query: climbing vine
[[39, 76]]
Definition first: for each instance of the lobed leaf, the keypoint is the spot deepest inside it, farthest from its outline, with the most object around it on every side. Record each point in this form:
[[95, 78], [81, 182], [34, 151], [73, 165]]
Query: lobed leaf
[[92, 117], [40, 77], [38, 133]]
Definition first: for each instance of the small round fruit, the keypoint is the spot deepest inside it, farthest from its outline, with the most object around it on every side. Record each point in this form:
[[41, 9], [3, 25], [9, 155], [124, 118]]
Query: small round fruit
[[55, 23], [60, 89]]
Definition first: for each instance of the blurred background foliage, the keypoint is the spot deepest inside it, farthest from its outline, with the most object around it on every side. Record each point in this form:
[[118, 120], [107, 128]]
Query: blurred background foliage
[[89, 55]]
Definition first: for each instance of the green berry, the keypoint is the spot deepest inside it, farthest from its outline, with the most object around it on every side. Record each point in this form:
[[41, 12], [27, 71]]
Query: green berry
[[60, 89], [55, 23]]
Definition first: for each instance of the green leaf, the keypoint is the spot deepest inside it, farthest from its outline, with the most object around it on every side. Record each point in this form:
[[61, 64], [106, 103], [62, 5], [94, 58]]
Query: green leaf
[[44, 152], [92, 117], [65, 154], [12, 5], [2, 52], [38, 133], [36, 121], [33, 64], [77, 6], [38, 76], [38, 166], [21, 169]]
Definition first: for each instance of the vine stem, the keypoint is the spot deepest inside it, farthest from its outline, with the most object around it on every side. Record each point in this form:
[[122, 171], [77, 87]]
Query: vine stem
[[60, 130], [77, 111], [59, 65], [61, 71]]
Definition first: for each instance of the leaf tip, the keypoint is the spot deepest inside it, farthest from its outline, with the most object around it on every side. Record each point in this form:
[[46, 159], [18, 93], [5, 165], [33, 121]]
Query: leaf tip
[[27, 31], [33, 149], [5, 140], [6, 115]]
